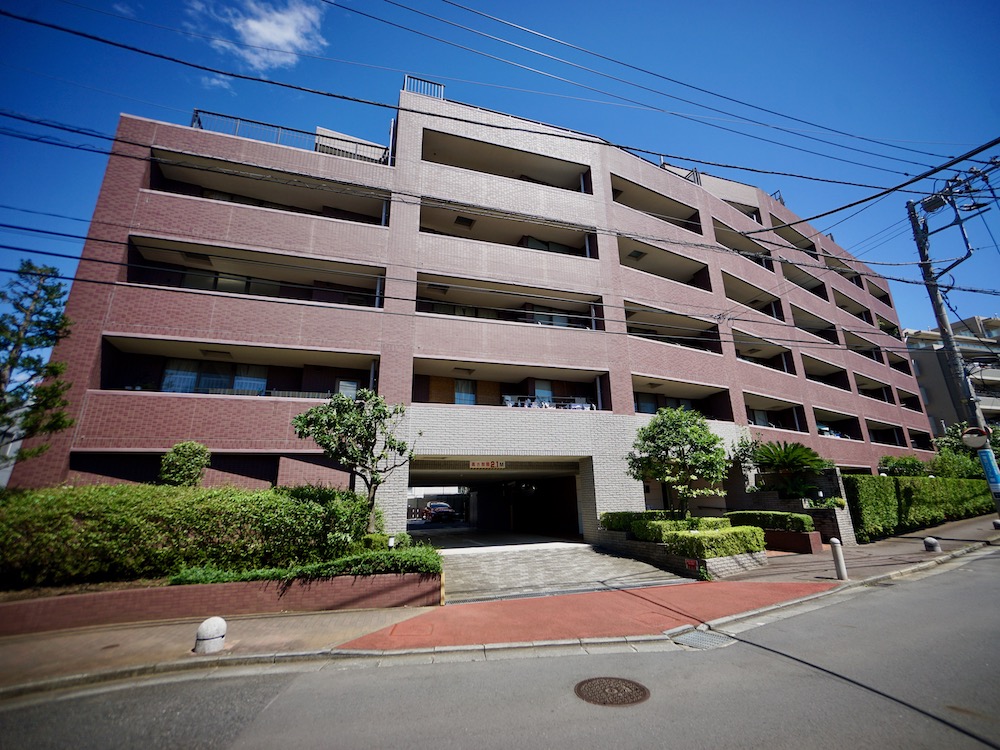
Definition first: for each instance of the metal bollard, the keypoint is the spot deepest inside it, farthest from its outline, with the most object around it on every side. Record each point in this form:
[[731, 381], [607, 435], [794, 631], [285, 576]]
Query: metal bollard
[[932, 545], [838, 559]]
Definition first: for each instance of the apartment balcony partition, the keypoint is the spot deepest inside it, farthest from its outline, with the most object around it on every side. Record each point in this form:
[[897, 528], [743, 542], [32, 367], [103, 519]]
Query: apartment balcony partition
[[711, 401], [752, 296], [683, 269], [656, 205]]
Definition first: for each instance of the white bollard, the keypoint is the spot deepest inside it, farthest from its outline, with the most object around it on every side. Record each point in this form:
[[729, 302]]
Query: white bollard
[[932, 545], [838, 559], [211, 636]]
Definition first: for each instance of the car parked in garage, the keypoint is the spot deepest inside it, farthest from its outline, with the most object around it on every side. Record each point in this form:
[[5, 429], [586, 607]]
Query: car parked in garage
[[438, 511]]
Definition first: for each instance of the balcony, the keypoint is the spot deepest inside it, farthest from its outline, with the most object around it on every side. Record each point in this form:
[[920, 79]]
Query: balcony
[[760, 351], [884, 433], [819, 371], [909, 400], [489, 158], [899, 363], [443, 295], [804, 280], [754, 297], [740, 245], [654, 204], [184, 367], [853, 307], [322, 141], [467, 383], [769, 411], [863, 347], [871, 388], [836, 264], [887, 326], [663, 263], [817, 326], [878, 293], [191, 266], [473, 223], [837, 425], [650, 394], [672, 328], [795, 238], [219, 180]]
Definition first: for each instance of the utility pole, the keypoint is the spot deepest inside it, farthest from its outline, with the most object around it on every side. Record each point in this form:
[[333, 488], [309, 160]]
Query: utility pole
[[968, 410], [977, 436]]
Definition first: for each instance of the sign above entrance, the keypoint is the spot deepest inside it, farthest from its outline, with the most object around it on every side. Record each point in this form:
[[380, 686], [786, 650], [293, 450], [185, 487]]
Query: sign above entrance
[[487, 464]]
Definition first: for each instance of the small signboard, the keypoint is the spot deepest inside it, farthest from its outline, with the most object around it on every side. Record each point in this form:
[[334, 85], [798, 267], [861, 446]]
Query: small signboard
[[691, 564], [487, 464], [989, 462]]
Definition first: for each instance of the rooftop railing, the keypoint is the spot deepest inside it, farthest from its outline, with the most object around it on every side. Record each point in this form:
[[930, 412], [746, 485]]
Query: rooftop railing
[[324, 142]]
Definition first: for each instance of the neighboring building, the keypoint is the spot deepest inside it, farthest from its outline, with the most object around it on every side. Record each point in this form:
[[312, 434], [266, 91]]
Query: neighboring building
[[530, 293], [978, 339]]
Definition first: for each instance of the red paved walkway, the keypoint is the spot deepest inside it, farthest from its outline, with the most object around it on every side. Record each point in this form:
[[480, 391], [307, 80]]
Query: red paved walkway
[[606, 614]]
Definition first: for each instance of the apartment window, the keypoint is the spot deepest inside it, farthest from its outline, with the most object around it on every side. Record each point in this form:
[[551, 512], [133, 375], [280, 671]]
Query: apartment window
[[543, 391], [348, 388], [192, 376], [548, 317], [646, 403], [465, 392]]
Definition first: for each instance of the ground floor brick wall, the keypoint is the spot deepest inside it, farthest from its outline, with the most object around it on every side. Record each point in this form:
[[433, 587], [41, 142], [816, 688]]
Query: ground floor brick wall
[[218, 599]]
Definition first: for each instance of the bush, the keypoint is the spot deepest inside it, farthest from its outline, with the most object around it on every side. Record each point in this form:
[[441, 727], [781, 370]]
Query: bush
[[622, 520], [953, 465], [400, 560], [653, 531], [715, 543], [125, 532], [184, 464], [772, 520], [881, 506], [830, 503], [902, 466], [873, 505]]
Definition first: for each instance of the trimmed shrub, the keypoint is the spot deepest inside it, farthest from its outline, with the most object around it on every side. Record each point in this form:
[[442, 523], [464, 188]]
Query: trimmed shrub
[[400, 560], [622, 520], [928, 502], [902, 466], [653, 531], [125, 532], [184, 465], [715, 543], [772, 520], [873, 505]]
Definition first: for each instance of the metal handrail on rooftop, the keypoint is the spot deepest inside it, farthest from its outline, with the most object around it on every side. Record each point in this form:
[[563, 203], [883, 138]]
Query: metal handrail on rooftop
[[325, 142]]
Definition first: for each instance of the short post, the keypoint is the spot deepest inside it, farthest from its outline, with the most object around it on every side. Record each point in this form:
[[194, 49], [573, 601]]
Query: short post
[[932, 545], [838, 559], [211, 636]]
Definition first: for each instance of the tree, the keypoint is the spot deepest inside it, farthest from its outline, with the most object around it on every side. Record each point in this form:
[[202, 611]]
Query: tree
[[184, 464], [33, 396], [359, 434], [678, 449], [952, 440], [790, 466]]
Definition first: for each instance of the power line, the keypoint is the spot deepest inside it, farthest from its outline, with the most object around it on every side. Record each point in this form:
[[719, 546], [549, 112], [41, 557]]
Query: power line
[[600, 91], [682, 83]]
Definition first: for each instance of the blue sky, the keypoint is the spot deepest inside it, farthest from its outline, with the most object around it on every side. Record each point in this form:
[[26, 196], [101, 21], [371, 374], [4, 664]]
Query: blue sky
[[909, 75]]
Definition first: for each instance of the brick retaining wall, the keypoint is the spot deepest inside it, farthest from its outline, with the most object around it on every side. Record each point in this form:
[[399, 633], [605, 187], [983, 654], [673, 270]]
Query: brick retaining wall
[[656, 554], [222, 599]]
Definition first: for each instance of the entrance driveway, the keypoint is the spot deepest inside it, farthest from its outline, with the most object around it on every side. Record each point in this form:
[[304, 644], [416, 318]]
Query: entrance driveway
[[481, 567]]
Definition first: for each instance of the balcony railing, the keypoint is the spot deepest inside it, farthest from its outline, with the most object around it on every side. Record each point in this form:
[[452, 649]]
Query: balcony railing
[[236, 392], [325, 142]]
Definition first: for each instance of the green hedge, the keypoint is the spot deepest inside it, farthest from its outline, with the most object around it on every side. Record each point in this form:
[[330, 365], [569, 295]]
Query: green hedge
[[400, 560], [622, 520], [125, 532], [653, 531], [881, 506], [715, 543], [772, 520]]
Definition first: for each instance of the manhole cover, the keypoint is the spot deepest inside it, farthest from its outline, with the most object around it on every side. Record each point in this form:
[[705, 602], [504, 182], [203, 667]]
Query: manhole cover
[[703, 639], [611, 691]]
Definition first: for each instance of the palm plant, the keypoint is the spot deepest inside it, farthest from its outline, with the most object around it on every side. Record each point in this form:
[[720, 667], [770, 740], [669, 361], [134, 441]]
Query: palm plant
[[789, 467]]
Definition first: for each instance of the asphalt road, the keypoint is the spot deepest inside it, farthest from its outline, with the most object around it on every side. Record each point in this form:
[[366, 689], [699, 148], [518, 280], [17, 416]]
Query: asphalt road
[[911, 664]]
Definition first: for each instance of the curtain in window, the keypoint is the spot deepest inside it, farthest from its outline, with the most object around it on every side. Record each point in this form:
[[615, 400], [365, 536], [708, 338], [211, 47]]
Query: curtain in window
[[465, 392], [180, 376], [250, 378]]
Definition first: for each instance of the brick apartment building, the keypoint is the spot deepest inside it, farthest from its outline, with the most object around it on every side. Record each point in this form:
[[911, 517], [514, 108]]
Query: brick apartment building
[[530, 293]]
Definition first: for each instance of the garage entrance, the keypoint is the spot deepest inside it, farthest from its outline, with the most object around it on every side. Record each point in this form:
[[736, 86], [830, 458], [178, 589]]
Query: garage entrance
[[534, 497]]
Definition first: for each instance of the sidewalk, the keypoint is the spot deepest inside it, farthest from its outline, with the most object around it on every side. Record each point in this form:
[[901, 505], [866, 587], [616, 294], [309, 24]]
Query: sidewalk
[[628, 619]]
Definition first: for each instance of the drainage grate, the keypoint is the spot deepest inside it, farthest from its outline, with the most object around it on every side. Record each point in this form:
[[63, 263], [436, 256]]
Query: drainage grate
[[611, 691], [703, 639]]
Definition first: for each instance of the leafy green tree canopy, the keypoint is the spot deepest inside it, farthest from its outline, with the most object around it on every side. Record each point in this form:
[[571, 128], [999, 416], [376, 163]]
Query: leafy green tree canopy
[[184, 465], [678, 449], [359, 434], [32, 397], [789, 467], [952, 440]]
